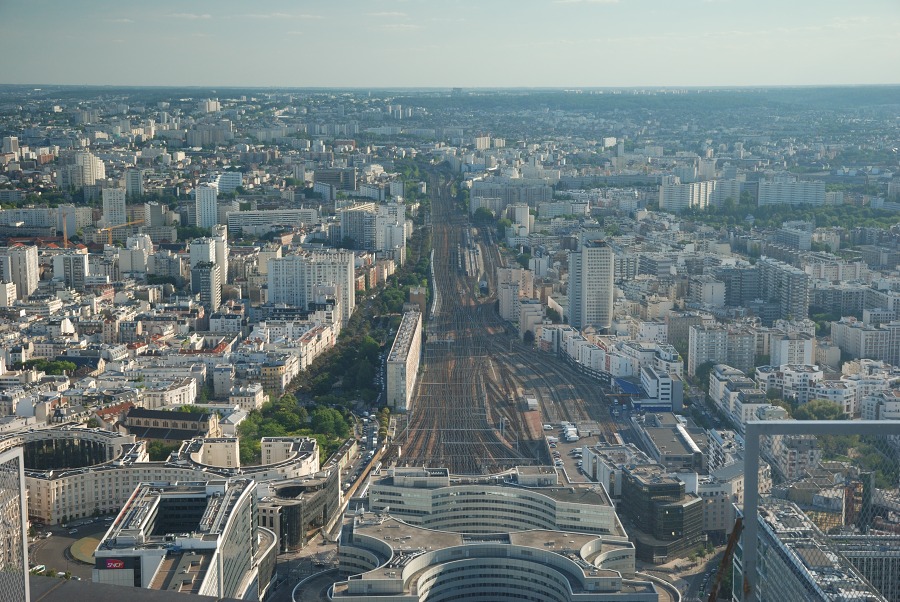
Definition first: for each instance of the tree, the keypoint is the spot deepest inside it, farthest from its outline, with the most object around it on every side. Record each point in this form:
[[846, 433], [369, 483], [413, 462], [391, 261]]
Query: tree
[[528, 337], [701, 373], [819, 409], [159, 451], [483, 215], [553, 315]]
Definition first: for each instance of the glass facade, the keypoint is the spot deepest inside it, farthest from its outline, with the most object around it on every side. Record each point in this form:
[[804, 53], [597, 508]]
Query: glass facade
[[13, 542]]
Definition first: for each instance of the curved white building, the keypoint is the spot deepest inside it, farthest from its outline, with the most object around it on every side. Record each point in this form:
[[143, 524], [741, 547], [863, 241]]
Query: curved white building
[[515, 536], [73, 472]]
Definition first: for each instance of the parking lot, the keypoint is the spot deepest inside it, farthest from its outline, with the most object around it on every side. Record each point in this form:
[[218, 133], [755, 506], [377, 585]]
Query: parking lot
[[567, 455]]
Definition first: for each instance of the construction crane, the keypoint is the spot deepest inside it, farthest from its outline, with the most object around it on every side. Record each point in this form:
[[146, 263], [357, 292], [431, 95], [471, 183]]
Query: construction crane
[[726, 560], [109, 229]]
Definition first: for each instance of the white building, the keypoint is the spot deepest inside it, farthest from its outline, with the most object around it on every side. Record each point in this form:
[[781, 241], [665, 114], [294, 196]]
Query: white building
[[403, 362], [591, 289], [228, 181], [19, 265], [791, 193], [675, 197], [206, 209], [292, 279], [114, 206]]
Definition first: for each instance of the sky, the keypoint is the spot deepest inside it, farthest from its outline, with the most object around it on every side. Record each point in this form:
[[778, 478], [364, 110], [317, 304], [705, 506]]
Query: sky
[[444, 43]]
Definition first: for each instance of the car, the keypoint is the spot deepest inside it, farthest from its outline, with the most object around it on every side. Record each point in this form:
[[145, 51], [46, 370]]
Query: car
[[38, 568], [47, 535], [73, 531]]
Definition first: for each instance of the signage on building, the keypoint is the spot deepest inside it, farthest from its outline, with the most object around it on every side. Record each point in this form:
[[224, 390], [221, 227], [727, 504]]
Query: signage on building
[[114, 563]]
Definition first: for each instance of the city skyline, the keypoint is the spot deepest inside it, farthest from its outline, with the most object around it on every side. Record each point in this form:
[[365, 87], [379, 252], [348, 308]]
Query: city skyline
[[396, 43]]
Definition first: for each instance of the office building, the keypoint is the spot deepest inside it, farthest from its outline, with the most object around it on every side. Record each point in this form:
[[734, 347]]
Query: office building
[[668, 521], [114, 206], [193, 537], [19, 265], [294, 508], [500, 541], [591, 289], [134, 183], [796, 561], [206, 280], [292, 279], [206, 210], [403, 362], [14, 513]]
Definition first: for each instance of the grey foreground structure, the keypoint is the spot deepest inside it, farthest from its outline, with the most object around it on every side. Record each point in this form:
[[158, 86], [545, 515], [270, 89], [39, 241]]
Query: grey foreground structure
[[755, 430], [13, 544]]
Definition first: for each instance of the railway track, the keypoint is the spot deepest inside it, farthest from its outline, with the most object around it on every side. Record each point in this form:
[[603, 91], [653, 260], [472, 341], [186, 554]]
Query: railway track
[[466, 415]]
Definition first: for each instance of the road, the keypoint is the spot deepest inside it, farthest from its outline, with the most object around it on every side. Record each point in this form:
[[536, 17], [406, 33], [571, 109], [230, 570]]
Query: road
[[54, 551]]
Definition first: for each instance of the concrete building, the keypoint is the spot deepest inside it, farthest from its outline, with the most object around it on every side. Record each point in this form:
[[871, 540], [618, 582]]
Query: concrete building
[[386, 558], [786, 285], [667, 520], [206, 211], [19, 265], [262, 221], [795, 348], [791, 193], [675, 197], [860, 340], [403, 362], [73, 472], [715, 343], [114, 206], [666, 390], [293, 278], [708, 291], [71, 268], [134, 183], [228, 181], [197, 538], [591, 289], [796, 561], [796, 382], [206, 280]]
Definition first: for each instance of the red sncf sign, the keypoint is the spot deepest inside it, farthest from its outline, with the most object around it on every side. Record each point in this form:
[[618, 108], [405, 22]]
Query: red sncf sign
[[112, 563]]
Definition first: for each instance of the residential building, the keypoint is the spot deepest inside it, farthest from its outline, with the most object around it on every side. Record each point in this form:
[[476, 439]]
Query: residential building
[[114, 206], [134, 183], [786, 285], [293, 278], [19, 265], [206, 280], [206, 210], [591, 289], [791, 193]]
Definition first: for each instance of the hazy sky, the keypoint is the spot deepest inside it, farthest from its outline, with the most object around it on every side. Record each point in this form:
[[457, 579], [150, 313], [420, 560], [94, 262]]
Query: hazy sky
[[487, 43]]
